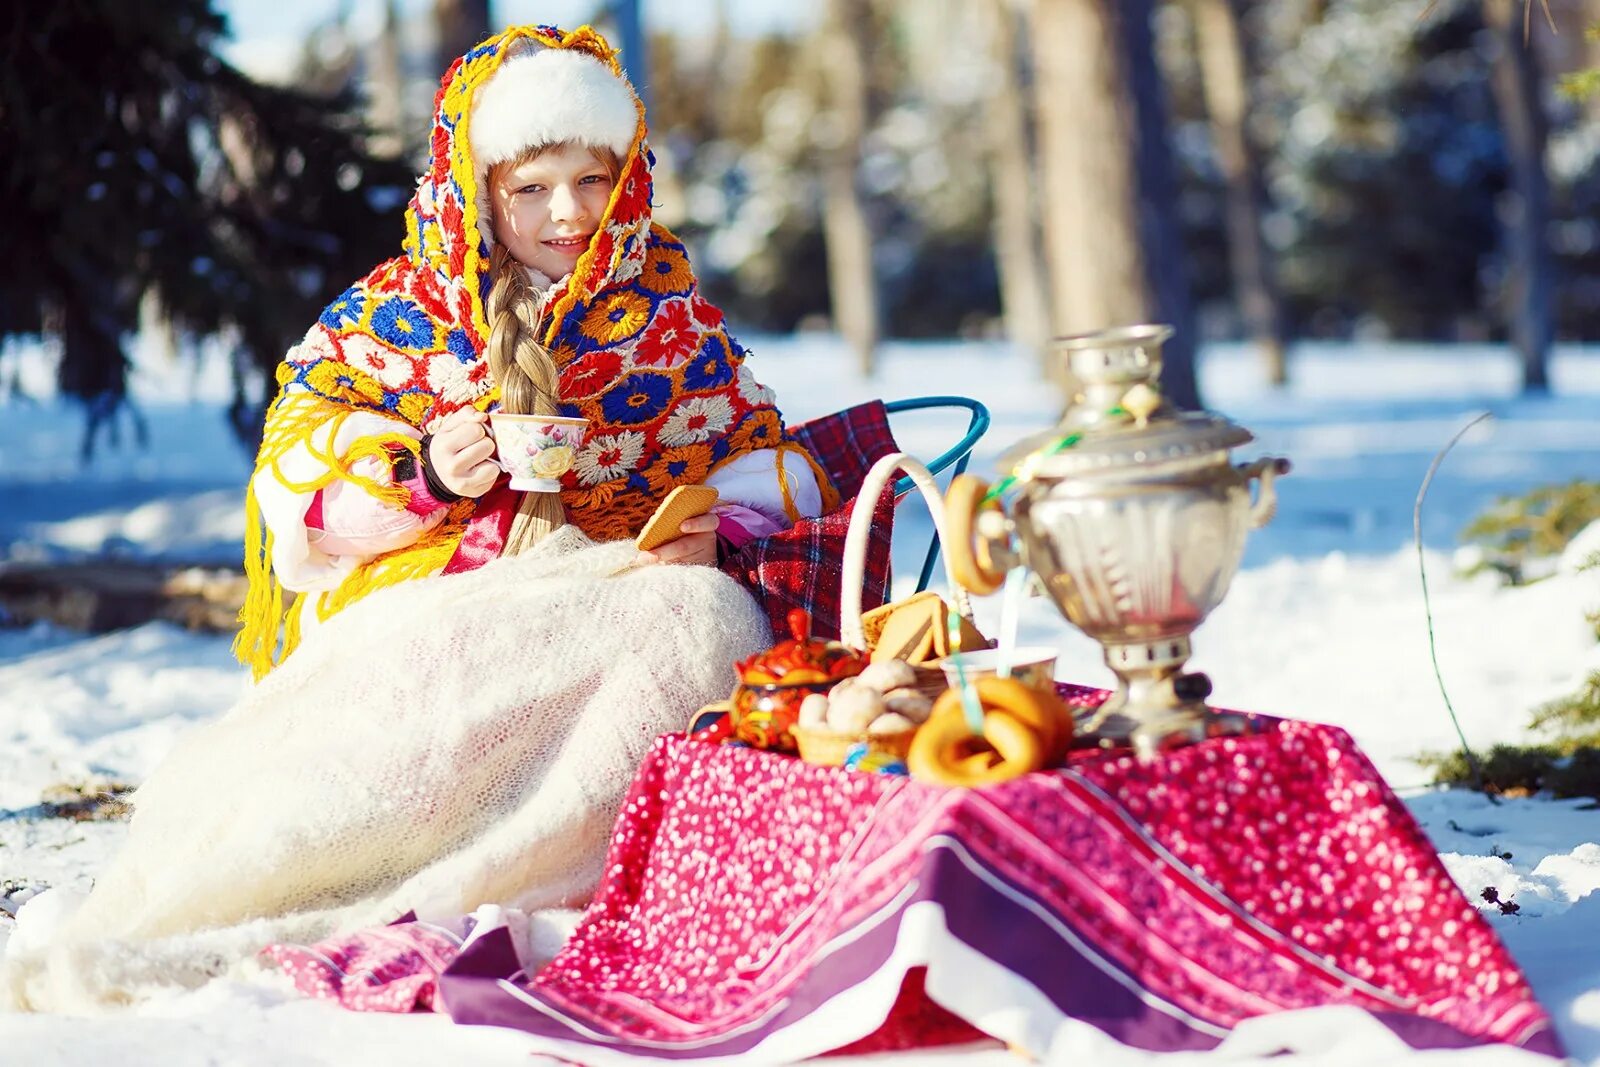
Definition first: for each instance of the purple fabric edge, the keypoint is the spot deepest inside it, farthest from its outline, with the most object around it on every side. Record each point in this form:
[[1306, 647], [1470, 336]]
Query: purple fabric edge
[[472, 996]]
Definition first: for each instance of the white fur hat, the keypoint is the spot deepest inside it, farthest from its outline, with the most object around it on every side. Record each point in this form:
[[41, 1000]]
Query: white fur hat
[[549, 95]]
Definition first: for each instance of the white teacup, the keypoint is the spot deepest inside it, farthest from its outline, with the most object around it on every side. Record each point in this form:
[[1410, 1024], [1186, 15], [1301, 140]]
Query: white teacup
[[1034, 667], [536, 450]]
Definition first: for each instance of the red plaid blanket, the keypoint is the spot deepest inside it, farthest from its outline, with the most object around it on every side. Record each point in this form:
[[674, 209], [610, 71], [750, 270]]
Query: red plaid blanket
[[802, 567]]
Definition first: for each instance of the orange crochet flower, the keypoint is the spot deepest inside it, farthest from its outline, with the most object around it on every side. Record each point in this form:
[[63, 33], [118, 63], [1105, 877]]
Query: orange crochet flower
[[668, 273], [688, 465], [760, 429], [616, 317]]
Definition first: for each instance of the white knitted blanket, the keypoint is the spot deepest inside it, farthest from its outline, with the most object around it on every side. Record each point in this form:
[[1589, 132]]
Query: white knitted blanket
[[439, 745]]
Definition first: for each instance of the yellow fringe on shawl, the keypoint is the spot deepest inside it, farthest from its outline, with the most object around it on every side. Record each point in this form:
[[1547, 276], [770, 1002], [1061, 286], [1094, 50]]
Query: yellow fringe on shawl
[[267, 632]]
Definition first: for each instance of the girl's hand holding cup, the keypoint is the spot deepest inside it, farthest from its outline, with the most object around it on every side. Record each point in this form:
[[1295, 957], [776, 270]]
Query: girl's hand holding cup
[[461, 453]]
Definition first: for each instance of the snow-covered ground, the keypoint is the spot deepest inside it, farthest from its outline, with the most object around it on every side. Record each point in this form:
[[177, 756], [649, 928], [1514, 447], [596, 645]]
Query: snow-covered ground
[[1325, 621]]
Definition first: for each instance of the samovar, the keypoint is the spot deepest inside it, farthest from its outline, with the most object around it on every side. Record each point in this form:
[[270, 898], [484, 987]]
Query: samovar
[[1133, 518]]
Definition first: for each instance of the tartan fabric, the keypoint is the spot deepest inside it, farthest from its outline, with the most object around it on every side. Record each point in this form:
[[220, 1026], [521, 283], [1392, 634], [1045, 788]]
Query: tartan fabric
[[803, 566]]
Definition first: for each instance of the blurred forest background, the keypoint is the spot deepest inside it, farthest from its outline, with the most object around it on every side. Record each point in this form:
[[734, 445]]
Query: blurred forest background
[[1266, 170]]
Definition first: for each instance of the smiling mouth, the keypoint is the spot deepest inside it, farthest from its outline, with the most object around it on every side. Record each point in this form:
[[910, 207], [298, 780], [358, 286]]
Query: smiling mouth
[[569, 244]]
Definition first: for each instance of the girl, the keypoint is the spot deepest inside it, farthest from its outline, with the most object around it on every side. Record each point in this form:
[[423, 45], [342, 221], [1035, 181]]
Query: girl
[[465, 737]]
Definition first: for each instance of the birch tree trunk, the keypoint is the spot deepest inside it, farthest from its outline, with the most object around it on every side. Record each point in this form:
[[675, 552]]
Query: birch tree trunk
[[1111, 234], [1525, 207], [1226, 88], [1023, 285], [846, 230]]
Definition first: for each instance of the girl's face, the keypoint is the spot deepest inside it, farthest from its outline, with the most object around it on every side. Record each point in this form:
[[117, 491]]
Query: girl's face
[[547, 208]]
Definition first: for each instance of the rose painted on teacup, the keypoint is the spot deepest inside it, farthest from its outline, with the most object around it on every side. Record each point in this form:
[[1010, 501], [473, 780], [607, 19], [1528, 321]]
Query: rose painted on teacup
[[553, 462], [536, 449]]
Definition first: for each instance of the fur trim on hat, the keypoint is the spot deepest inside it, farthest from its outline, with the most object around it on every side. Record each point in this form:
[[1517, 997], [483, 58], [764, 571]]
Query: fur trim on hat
[[549, 96]]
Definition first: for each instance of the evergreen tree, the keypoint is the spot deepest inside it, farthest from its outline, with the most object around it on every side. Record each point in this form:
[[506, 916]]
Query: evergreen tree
[[136, 162], [1387, 162]]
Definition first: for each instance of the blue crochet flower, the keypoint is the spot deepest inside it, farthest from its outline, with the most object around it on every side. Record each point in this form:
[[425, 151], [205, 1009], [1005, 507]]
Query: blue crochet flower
[[710, 368], [458, 344], [401, 323], [637, 398], [346, 308]]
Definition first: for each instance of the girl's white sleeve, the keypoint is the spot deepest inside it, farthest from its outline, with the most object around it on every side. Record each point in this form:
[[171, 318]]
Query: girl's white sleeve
[[753, 481], [355, 525]]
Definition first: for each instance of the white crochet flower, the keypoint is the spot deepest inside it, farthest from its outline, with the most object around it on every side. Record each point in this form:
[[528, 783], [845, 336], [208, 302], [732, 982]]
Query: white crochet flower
[[456, 382], [608, 456], [630, 265], [393, 369], [306, 352], [751, 391], [696, 419]]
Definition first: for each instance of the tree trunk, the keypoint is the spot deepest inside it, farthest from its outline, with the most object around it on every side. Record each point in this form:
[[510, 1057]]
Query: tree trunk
[[852, 281], [1111, 233], [458, 26], [1225, 84], [1525, 207], [1023, 285], [1091, 230], [1161, 236]]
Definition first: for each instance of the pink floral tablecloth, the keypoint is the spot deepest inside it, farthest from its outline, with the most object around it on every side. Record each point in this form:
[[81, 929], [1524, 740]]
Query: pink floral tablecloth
[[756, 905]]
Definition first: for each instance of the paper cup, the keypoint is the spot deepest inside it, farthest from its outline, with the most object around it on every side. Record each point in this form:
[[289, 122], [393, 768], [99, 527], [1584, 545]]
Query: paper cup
[[1034, 667], [536, 450]]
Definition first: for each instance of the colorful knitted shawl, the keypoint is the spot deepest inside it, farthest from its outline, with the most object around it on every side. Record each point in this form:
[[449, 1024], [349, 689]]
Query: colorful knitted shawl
[[641, 355]]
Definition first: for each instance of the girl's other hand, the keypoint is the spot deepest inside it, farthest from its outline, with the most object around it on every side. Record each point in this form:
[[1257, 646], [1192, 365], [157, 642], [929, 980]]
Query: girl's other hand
[[460, 453], [696, 543]]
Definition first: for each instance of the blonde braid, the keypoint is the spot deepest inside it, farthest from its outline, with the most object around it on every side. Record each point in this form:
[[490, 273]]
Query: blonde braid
[[528, 380]]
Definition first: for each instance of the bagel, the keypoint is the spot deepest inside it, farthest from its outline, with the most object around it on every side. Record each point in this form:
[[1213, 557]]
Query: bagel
[[1023, 731], [1041, 709]]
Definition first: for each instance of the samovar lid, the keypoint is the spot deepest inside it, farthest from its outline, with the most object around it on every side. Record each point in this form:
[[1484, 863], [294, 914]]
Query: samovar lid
[[1118, 419]]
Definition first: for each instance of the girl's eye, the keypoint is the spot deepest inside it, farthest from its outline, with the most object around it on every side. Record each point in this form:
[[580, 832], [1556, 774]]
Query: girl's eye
[[589, 179], [531, 189]]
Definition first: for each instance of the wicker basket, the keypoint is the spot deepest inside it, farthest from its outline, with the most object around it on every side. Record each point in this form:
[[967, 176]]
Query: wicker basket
[[855, 629], [829, 749]]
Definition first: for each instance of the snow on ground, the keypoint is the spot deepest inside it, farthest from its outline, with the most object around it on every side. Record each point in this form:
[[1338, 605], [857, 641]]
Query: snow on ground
[[1325, 621]]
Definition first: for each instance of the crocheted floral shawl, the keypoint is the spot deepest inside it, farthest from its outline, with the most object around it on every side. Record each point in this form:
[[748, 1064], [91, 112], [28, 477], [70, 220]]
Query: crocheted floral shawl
[[641, 355]]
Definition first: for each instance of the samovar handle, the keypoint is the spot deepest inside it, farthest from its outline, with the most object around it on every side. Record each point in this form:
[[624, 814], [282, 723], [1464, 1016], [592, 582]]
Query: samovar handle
[[979, 558], [1265, 505]]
